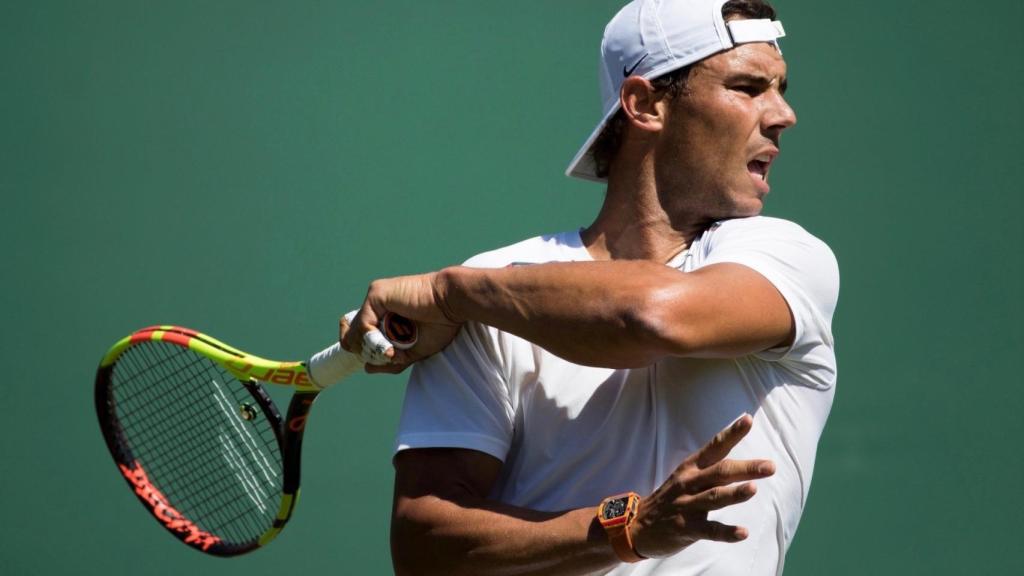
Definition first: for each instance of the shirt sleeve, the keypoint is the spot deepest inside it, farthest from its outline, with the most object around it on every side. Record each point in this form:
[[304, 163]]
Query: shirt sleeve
[[804, 270], [459, 398]]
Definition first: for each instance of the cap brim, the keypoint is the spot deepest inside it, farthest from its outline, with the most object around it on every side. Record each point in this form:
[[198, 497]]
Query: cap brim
[[583, 164]]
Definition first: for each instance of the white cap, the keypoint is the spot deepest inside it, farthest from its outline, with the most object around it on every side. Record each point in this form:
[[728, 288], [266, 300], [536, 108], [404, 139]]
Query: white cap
[[650, 38]]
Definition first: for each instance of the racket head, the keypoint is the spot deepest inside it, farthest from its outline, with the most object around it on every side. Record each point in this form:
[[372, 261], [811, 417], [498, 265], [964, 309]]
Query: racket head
[[197, 438]]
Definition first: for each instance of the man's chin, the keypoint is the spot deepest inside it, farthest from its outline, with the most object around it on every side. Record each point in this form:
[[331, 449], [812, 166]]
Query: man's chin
[[745, 209]]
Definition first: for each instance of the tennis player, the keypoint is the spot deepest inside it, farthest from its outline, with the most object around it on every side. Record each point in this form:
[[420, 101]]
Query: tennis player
[[644, 395]]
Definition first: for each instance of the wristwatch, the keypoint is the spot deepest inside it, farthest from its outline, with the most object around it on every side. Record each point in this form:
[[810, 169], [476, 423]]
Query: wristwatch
[[616, 514]]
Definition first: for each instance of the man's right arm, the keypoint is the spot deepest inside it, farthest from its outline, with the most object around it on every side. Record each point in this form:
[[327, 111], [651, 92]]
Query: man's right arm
[[443, 522]]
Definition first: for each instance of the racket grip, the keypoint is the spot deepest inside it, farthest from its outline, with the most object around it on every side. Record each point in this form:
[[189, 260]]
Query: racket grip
[[331, 365], [399, 330]]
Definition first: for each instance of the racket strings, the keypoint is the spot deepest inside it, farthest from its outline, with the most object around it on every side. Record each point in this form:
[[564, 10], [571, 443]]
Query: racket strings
[[207, 495], [232, 510], [177, 451], [196, 418], [179, 414], [181, 460]]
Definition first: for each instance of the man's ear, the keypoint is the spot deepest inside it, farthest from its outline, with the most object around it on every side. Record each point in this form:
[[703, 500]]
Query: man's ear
[[641, 104]]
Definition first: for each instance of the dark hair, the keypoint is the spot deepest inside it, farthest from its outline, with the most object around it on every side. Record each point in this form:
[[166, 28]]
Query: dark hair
[[670, 86]]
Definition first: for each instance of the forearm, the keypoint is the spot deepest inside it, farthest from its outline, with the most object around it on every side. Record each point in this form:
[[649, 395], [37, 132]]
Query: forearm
[[595, 313], [474, 536], [612, 314]]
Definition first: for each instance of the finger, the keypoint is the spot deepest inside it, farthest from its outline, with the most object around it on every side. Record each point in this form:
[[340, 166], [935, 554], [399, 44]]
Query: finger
[[718, 497], [367, 318], [347, 331], [388, 369], [400, 356], [711, 530], [360, 322], [729, 471], [376, 348], [343, 328], [723, 442], [406, 357]]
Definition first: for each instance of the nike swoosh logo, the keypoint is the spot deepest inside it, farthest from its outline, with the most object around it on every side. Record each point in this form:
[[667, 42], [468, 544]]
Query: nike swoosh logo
[[627, 72]]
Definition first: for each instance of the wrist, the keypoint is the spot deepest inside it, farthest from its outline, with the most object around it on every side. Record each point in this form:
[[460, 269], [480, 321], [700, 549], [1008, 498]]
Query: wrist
[[445, 286], [617, 515], [636, 536]]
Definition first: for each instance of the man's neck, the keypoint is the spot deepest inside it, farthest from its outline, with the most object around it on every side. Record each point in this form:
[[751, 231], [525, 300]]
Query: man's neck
[[634, 225]]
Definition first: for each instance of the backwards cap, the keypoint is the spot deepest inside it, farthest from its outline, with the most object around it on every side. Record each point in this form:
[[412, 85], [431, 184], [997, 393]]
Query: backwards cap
[[650, 38]]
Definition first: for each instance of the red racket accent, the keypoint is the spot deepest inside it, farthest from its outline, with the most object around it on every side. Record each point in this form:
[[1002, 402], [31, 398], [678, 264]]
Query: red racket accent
[[298, 423], [176, 338], [163, 511], [173, 334]]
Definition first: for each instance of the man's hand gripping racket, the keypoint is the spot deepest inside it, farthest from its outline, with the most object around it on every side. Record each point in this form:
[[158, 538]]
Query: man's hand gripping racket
[[198, 439], [417, 297]]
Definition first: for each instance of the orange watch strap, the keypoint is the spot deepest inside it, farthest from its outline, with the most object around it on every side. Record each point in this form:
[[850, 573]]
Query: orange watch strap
[[618, 530], [622, 543]]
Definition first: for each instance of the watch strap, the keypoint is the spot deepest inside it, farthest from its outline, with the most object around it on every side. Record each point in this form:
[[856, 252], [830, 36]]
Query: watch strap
[[618, 529]]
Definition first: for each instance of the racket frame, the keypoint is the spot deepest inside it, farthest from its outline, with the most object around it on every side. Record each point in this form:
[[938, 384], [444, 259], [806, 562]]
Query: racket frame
[[250, 371]]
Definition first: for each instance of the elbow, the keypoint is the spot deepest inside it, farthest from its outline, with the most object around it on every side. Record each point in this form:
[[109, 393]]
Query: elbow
[[407, 557], [401, 550], [403, 559], [414, 551]]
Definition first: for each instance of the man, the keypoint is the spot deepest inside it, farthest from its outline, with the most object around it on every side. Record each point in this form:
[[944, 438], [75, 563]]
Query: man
[[672, 362]]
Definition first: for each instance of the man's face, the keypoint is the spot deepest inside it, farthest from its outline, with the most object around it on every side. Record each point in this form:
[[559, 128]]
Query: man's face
[[721, 135]]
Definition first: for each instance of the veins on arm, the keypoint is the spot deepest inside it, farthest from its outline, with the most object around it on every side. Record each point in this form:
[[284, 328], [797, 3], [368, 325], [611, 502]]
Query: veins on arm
[[625, 314]]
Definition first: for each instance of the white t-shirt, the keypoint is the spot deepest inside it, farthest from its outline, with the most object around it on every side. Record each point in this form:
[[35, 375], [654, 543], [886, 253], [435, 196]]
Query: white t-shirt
[[571, 435]]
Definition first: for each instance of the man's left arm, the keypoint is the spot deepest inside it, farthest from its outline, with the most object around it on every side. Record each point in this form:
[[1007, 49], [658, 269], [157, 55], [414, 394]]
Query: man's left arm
[[615, 314]]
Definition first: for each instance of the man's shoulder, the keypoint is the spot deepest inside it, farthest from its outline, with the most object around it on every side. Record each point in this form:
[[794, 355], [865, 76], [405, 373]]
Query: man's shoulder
[[754, 223], [764, 227], [771, 241], [562, 246]]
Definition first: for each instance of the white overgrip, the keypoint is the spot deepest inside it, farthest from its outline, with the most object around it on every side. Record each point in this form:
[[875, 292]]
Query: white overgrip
[[331, 365]]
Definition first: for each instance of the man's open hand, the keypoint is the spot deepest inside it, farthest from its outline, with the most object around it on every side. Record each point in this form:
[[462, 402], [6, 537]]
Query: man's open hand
[[676, 514]]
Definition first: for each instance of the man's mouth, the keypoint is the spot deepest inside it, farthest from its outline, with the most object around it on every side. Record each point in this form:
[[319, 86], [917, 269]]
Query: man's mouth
[[758, 167]]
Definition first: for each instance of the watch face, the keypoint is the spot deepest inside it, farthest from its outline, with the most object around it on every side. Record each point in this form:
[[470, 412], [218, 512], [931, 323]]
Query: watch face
[[615, 508]]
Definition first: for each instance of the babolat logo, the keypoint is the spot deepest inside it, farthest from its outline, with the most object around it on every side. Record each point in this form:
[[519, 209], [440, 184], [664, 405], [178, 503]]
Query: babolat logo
[[275, 375], [164, 512], [298, 423]]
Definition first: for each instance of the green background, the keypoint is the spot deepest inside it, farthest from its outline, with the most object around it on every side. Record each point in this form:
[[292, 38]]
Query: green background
[[245, 168]]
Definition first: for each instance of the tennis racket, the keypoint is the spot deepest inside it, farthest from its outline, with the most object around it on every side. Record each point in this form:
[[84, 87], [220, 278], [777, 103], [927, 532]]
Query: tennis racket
[[199, 440]]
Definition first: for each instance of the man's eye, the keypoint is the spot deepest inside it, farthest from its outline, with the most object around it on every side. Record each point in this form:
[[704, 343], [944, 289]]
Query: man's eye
[[748, 89]]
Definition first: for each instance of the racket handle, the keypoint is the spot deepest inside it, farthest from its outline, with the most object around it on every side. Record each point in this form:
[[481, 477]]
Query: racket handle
[[331, 365], [399, 330]]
